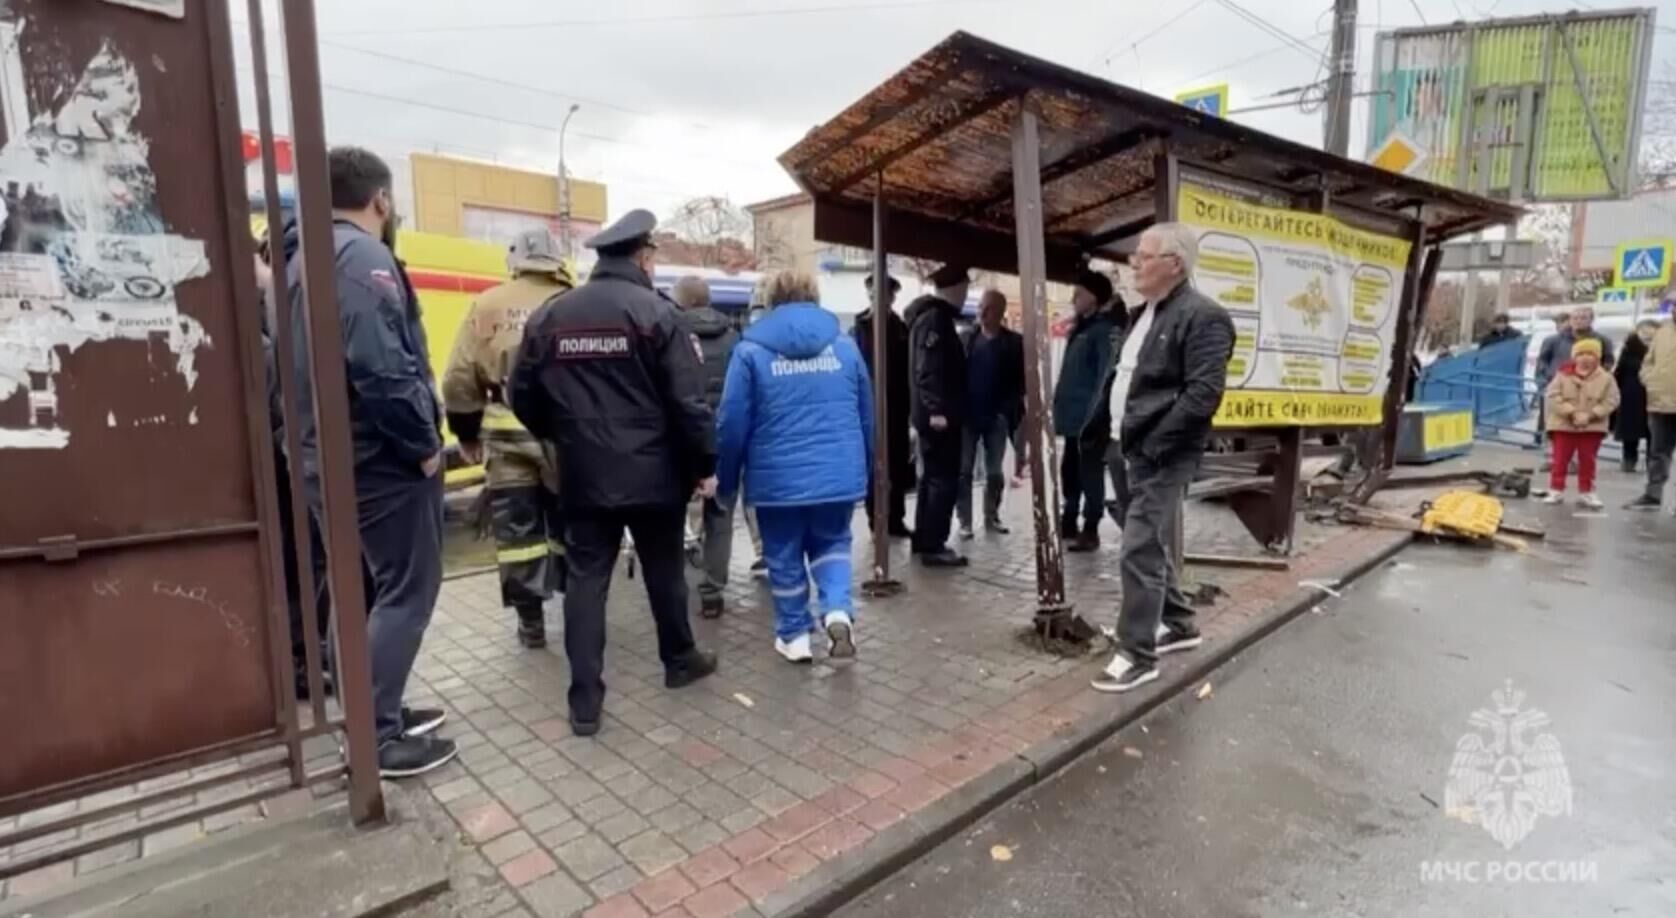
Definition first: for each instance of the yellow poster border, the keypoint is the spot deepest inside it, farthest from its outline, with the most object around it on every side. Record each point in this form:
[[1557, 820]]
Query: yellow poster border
[[1204, 207], [1271, 408]]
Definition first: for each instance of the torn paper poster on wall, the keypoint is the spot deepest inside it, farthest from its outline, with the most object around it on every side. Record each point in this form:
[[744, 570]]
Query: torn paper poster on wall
[[85, 256], [174, 8]]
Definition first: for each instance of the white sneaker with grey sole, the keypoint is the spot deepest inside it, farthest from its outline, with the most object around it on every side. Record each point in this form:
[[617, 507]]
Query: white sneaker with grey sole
[[795, 650], [841, 631]]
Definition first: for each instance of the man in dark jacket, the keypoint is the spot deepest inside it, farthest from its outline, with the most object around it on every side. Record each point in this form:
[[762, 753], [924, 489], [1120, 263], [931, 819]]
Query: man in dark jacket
[[1501, 329], [900, 394], [939, 410], [716, 339], [1081, 375], [994, 403], [611, 377], [1580, 324], [1172, 367], [395, 423]]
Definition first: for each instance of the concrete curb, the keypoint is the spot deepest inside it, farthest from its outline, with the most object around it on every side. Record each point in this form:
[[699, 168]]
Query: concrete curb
[[840, 880]]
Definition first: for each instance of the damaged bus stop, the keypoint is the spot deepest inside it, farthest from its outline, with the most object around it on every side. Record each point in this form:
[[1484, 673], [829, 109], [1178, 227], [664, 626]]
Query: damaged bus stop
[[981, 155]]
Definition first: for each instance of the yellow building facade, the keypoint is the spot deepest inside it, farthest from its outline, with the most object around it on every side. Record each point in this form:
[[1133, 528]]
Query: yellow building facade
[[492, 203]]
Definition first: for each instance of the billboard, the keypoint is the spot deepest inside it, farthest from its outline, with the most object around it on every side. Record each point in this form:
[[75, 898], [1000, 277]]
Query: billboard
[[1315, 307], [1538, 109]]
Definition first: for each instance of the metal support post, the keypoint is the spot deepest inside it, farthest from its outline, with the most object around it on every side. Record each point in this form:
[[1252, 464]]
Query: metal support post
[[340, 526], [1055, 618], [881, 584]]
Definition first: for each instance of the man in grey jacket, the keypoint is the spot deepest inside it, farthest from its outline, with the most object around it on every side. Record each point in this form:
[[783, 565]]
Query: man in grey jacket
[[395, 422], [1167, 384], [716, 337]]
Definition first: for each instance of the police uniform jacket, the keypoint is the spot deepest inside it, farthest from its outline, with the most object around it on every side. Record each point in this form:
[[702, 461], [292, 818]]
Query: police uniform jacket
[[939, 360], [611, 377]]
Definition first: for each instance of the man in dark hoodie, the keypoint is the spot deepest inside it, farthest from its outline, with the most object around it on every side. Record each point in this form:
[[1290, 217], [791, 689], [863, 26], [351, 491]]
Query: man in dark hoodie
[[716, 339], [901, 459], [939, 410], [395, 427], [1081, 379]]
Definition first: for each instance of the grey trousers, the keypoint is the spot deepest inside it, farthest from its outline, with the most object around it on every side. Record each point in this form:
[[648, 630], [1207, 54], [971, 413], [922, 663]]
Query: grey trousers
[[1151, 588], [990, 442], [1661, 444], [715, 528], [1118, 507]]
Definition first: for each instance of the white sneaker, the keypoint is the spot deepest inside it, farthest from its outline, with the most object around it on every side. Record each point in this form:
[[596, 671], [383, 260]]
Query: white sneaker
[[795, 650], [1590, 501], [1554, 497], [966, 534], [841, 631], [1121, 675], [1171, 642]]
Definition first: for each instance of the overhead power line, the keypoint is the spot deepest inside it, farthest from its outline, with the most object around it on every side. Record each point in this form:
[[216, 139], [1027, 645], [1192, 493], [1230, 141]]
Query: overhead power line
[[1313, 53], [1106, 55], [1252, 58], [529, 125], [660, 18]]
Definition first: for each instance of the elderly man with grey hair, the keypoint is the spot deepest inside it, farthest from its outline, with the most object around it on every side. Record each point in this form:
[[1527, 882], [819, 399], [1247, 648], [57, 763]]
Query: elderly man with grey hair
[[1167, 379]]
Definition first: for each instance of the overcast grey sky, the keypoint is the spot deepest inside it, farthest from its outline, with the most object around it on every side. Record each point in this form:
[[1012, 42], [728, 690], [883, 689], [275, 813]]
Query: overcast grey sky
[[695, 97]]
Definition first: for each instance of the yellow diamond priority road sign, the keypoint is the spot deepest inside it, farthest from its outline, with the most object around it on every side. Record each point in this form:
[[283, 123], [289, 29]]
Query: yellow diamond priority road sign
[[1398, 154]]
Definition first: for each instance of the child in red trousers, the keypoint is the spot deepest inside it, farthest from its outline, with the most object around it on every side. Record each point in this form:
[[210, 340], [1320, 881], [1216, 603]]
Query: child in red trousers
[[1581, 399]]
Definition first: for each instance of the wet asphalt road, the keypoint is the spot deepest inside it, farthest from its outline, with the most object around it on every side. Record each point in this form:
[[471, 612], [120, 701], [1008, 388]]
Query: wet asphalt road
[[1312, 781]]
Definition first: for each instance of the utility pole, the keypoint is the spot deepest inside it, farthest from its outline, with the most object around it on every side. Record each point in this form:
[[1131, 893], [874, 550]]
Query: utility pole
[[1341, 78], [564, 189]]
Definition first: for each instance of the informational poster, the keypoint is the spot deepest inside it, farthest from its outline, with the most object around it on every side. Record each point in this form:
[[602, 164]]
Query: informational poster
[[1314, 303]]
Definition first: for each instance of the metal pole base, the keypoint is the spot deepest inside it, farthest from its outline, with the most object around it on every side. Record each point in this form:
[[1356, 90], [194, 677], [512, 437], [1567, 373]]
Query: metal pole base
[[1062, 631], [881, 589]]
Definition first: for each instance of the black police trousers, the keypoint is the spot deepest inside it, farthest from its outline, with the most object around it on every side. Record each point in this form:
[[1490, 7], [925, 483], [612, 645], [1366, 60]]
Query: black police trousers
[[593, 539], [939, 482]]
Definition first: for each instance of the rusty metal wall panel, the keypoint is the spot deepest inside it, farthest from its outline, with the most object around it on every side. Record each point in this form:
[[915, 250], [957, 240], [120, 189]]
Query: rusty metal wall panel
[[155, 430], [125, 414], [127, 656]]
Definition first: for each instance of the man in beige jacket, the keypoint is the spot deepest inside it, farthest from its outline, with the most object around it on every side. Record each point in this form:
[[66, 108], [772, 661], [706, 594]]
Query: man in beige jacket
[[1658, 374], [523, 482]]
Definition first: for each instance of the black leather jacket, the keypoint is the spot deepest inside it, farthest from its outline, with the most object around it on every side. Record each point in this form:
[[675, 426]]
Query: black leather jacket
[[1179, 377]]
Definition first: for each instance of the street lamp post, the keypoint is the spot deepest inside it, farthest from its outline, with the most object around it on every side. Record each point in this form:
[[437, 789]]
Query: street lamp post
[[564, 188]]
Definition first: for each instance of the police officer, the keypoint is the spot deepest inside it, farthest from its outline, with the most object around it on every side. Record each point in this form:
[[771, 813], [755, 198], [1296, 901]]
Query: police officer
[[608, 375], [523, 482], [939, 410]]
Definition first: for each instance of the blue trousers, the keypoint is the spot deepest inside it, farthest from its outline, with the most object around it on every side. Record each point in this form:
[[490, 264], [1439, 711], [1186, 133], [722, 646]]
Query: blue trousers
[[803, 542]]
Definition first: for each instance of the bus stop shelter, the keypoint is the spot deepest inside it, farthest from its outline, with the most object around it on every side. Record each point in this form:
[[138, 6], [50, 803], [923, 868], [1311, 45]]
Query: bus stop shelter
[[982, 155]]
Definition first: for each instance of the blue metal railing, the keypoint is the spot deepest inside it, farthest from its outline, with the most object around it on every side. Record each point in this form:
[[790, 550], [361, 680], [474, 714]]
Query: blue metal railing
[[1505, 401]]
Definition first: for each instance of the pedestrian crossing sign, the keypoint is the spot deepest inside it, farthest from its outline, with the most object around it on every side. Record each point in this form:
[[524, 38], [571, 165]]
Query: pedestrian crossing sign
[[1643, 264], [1612, 295], [1210, 100]]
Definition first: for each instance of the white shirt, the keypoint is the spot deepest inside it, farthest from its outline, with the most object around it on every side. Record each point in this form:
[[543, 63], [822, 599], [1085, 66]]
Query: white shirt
[[1126, 362]]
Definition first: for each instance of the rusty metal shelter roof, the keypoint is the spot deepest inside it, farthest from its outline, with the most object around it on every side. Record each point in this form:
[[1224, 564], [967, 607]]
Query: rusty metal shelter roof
[[940, 131]]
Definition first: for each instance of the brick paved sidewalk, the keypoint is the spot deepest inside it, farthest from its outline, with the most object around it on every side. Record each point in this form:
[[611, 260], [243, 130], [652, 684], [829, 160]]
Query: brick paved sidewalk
[[718, 799], [768, 782]]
